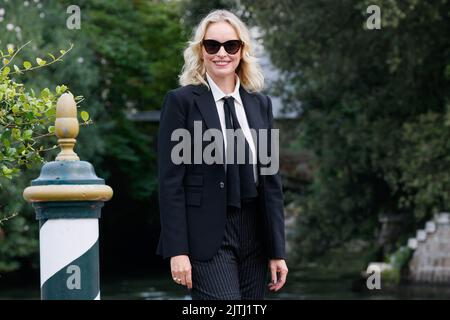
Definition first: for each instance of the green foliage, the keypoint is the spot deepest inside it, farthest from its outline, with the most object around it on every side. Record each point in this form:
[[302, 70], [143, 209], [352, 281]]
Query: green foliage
[[18, 234], [15, 248], [43, 24], [399, 261], [140, 58], [141, 55], [25, 118], [373, 110], [400, 258], [195, 10], [126, 56], [423, 163]]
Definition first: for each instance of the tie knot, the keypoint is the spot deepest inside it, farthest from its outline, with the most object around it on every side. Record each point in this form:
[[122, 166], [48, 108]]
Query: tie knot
[[228, 99], [228, 103]]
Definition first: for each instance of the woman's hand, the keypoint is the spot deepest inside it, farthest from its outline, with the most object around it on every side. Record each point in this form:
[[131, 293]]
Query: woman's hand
[[180, 267], [279, 271]]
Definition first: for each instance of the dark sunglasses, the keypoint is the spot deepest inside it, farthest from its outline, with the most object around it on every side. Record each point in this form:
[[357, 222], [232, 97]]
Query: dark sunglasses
[[213, 46]]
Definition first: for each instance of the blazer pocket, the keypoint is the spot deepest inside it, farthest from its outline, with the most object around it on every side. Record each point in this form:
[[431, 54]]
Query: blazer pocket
[[194, 189], [193, 198]]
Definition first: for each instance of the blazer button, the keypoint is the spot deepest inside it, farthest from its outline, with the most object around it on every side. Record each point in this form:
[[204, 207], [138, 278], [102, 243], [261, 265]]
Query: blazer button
[[221, 184]]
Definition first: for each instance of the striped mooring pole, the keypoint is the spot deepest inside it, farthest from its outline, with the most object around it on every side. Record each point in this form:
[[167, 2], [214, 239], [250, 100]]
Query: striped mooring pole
[[68, 197]]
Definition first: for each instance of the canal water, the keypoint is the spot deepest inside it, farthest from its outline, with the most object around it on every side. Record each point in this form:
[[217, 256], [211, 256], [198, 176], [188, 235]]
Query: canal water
[[301, 285]]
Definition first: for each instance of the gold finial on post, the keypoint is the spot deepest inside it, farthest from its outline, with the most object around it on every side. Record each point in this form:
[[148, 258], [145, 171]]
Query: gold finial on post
[[66, 127]]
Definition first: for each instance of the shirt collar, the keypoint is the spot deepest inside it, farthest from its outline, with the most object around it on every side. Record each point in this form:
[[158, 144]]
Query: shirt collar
[[218, 93]]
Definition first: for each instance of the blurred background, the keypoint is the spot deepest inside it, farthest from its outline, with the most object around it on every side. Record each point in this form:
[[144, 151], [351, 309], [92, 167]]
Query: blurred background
[[364, 119]]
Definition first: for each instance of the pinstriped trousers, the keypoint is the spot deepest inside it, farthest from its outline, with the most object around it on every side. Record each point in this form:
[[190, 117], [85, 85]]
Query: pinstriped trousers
[[239, 270]]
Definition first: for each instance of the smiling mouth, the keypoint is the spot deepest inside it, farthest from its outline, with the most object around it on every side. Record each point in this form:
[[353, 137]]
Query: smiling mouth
[[221, 63]]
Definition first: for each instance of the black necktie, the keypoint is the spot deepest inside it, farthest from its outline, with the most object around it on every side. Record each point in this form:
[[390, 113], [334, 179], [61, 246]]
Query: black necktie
[[240, 179]]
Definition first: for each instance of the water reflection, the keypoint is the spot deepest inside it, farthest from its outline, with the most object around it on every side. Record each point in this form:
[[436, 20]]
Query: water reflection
[[301, 285]]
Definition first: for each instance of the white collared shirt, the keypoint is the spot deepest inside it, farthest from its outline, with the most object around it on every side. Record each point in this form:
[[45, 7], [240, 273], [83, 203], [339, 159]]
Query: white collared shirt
[[240, 113]]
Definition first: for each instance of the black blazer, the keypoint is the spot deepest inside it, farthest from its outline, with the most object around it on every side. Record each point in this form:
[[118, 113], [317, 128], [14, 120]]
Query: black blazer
[[192, 197]]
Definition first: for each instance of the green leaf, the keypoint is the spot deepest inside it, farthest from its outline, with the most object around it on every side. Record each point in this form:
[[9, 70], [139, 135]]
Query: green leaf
[[15, 108], [26, 65], [11, 50], [6, 143], [45, 93], [50, 112], [84, 116], [16, 133], [62, 51], [51, 129], [6, 171], [52, 56], [27, 134], [40, 61], [61, 89], [6, 71]]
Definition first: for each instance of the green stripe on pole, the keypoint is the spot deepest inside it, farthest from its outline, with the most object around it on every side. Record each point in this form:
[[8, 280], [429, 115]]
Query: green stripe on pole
[[79, 280], [42, 222], [68, 209]]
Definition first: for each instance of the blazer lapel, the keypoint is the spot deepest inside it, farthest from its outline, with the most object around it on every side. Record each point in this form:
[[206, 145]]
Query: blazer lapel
[[207, 107]]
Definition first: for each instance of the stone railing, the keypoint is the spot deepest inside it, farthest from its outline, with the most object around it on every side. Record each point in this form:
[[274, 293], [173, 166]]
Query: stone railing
[[431, 259]]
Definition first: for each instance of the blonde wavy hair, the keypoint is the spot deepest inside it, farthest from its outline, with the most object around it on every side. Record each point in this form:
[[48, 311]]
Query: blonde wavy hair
[[248, 70]]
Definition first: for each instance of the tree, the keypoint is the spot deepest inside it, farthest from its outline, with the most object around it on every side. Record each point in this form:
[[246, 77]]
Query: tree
[[374, 110], [44, 25], [139, 58], [24, 116], [127, 55], [195, 10]]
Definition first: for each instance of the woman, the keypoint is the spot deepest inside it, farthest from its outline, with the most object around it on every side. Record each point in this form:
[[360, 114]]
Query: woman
[[222, 223]]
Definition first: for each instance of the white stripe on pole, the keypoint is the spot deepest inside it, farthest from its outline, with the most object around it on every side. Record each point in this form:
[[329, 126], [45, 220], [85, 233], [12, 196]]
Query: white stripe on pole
[[64, 240]]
